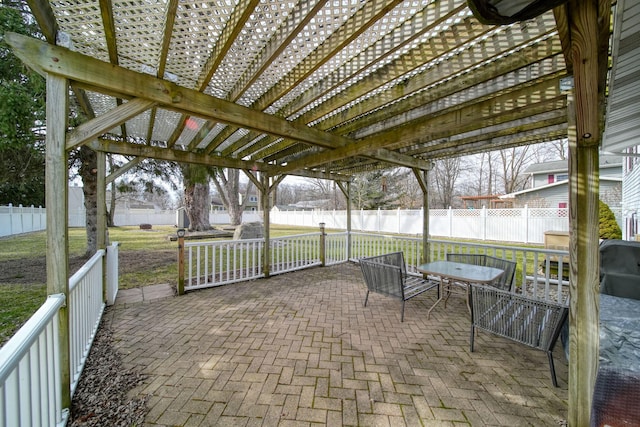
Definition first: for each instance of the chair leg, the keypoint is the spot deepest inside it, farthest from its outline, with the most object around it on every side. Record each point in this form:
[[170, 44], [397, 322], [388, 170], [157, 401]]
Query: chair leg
[[402, 315], [472, 336], [553, 369], [366, 298]]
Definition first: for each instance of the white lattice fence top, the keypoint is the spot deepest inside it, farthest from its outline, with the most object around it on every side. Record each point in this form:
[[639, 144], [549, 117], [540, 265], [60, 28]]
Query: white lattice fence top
[[504, 213], [470, 213], [549, 213]]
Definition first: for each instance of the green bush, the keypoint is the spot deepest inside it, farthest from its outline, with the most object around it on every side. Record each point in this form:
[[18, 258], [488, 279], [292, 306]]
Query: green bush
[[609, 228]]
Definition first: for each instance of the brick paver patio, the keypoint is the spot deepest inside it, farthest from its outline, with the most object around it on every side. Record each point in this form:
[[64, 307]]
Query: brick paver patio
[[300, 349]]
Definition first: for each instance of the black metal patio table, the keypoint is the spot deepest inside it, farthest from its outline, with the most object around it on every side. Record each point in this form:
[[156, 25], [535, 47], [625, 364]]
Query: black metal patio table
[[457, 274]]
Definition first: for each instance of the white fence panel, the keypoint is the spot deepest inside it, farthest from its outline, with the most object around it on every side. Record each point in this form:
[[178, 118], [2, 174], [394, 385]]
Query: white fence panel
[[30, 383], [85, 311], [293, 253], [525, 225], [336, 248], [541, 220], [467, 224], [19, 219], [504, 225], [218, 263]]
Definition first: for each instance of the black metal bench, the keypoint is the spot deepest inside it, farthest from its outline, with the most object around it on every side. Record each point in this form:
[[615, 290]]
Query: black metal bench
[[387, 275], [533, 322]]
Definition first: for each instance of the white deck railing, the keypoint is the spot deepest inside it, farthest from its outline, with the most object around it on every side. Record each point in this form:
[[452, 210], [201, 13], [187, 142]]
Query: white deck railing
[[30, 383], [30, 362], [85, 311], [293, 253], [222, 262], [112, 272], [336, 245]]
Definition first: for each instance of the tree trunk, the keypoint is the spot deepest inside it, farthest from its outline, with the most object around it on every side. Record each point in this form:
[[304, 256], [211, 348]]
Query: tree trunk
[[112, 202], [88, 172], [227, 183], [235, 208], [112, 207], [197, 202]]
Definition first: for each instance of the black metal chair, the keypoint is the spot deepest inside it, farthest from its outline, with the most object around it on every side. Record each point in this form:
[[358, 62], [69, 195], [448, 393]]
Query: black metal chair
[[387, 275]]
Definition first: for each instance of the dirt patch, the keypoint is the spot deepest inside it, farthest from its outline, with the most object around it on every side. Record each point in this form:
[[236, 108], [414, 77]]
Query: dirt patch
[[34, 270], [137, 261]]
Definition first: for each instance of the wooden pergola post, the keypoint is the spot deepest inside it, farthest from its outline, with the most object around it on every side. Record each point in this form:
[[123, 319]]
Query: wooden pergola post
[[422, 177], [348, 197], [264, 199], [101, 220], [588, 30], [346, 190], [56, 196]]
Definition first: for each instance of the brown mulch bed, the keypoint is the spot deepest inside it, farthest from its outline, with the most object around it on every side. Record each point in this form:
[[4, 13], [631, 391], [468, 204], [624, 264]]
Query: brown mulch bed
[[102, 395]]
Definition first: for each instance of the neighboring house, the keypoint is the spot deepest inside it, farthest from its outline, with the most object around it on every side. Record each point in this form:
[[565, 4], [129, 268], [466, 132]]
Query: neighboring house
[[631, 195], [549, 186], [251, 205]]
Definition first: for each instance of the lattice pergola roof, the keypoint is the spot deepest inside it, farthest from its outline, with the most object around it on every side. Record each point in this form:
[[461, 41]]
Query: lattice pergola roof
[[311, 88]]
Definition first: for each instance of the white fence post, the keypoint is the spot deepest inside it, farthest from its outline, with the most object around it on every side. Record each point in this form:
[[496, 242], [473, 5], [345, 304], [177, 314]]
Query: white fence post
[[450, 222], [483, 216], [112, 272], [11, 219], [525, 213]]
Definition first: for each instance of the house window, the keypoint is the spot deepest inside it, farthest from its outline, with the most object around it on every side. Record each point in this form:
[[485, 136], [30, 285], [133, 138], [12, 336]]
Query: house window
[[253, 198], [551, 178], [562, 205], [562, 177]]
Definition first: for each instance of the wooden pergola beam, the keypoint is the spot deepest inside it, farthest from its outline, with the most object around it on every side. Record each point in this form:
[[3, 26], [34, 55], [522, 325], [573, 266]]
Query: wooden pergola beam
[[105, 122], [126, 83], [432, 127]]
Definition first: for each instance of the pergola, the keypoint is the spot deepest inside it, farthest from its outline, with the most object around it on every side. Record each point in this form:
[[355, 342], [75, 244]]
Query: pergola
[[327, 89]]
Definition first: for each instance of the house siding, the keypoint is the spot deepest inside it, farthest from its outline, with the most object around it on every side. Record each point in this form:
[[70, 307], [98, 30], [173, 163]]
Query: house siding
[[631, 200]]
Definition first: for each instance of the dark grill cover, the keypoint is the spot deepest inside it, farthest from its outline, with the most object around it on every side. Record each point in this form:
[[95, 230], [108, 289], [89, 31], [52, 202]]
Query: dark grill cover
[[620, 268]]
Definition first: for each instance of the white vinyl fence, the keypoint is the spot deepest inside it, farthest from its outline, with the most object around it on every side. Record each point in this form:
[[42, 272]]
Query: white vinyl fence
[[526, 225], [30, 373], [18, 220]]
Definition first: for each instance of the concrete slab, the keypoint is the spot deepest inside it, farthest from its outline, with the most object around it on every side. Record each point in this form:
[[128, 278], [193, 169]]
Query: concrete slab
[[144, 294]]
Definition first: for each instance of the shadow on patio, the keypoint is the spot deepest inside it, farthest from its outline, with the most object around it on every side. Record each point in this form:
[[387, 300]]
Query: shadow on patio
[[300, 349]]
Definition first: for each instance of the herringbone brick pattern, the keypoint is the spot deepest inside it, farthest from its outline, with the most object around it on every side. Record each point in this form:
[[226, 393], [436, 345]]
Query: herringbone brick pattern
[[300, 349]]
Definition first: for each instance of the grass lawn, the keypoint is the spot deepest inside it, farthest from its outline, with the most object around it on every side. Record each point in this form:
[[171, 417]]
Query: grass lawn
[[147, 257]]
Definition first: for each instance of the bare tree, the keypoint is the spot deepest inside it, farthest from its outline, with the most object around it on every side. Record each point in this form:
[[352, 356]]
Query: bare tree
[[410, 191], [227, 182], [514, 161], [560, 148], [445, 176]]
